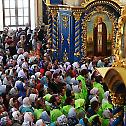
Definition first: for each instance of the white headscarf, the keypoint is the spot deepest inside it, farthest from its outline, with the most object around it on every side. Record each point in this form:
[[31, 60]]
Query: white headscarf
[[105, 99], [106, 114], [62, 120], [40, 123], [26, 102], [93, 99], [27, 119], [72, 112], [16, 115]]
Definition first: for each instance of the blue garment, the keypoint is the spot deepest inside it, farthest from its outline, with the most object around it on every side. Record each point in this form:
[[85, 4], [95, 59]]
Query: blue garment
[[26, 109], [21, 90], [53, 124], [81, 121], [44, 81], [117, 121]]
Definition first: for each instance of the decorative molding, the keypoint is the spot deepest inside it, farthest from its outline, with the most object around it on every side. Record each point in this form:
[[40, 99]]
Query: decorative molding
[[65, 20], [87, 2], [65, 56], [119, 61], [68, 39], [77, 15]]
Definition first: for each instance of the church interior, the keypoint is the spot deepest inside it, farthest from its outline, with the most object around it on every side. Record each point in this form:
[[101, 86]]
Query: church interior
[[62, 63]]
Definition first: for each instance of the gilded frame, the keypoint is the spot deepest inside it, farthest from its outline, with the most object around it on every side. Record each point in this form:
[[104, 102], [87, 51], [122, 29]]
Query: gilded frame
[[98, 7]]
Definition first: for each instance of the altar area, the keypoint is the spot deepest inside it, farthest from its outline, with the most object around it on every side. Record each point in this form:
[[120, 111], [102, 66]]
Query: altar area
[[72, 28], [75, 32]]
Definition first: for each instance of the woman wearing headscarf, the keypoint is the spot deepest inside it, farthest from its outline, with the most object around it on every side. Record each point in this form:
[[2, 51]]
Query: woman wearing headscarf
[[40, 123], [45, 117], [106, 117], [72, 117], [62, 121], [28, 119], [39, 108], [26, 107], [97, 84], [81, 78], [17, 117]]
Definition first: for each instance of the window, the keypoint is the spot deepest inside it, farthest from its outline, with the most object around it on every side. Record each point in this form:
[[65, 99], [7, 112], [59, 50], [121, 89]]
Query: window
[[16, 13]]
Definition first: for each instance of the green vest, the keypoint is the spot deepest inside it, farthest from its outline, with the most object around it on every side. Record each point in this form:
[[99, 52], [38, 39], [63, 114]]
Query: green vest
[[54, 114], [38, 113], [84, 87]]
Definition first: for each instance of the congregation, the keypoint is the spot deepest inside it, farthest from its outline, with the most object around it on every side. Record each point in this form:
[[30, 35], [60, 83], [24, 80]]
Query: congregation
[[38, 90]]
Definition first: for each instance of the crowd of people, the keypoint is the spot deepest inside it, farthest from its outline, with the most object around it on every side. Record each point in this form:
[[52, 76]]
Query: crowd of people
[[36, 90]]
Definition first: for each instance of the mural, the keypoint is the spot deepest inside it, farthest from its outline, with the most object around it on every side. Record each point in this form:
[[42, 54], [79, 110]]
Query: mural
[[99, 35]]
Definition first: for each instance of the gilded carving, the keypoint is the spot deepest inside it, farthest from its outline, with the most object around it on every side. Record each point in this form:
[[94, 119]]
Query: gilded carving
[[119, 61], [68, 39], [86, 2], [77, 54], [65, 20], [62, 38], [77, 15], [54, 13], [65, 57]]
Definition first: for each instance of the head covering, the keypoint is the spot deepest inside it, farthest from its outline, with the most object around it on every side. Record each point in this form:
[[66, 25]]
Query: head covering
[[47, 97], [25, 54], [74, 81], [20, 100], [106, 114], [44, 81], [83, 67], [21, 74], [11, 102], [45, 117], [20, 51], [32, 76], [68, 67], [94, 91], [62, 120], [20, 57], [15, 57], [37, 74], [66, 64], [13, 91], [106, 95], [79, 103], [54, 114], [76, 89], [26, 102], [33, 97], [25, 65], [75, 65], [105, 99], [72, 112], [40, 123], [68, 80], [16, 115], [27, 119], [93, 99], [4, 121]]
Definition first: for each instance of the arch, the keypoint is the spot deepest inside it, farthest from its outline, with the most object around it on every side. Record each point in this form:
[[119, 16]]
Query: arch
[[115, 79], [114, 75]]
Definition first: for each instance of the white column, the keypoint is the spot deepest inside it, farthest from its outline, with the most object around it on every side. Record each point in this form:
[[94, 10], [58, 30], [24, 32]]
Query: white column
[[1, 16]]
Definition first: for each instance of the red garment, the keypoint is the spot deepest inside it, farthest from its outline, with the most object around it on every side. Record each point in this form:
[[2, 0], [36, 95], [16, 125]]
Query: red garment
[[42, 71]]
